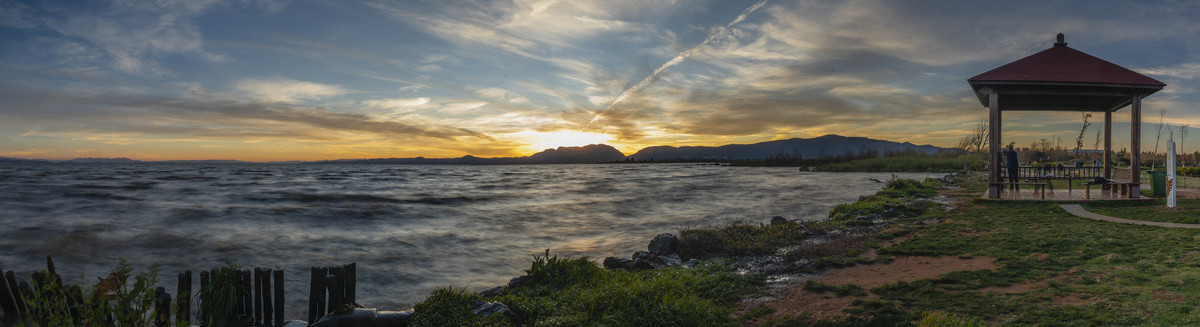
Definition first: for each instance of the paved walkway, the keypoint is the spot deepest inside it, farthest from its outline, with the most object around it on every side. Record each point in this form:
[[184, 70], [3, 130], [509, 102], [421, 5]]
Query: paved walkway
[[1078, 210]]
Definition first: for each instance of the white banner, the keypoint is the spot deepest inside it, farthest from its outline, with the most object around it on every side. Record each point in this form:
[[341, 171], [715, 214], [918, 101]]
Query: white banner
[[1170, 174]]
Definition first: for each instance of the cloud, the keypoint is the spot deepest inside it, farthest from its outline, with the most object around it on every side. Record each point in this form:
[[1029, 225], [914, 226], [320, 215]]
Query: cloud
[[502, 94], [1187, 70], [281, 89], [396, 104], [50, 111]]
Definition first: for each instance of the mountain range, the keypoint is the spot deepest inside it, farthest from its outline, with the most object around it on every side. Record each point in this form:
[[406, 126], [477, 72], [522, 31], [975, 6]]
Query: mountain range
[[818, 147]]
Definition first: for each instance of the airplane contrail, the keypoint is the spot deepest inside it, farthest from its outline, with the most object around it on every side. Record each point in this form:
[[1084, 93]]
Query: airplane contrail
[[675, 61]]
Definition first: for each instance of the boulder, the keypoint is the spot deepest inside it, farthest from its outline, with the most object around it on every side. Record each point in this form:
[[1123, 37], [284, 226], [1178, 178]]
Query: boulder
[[616, 263], [484, 308], [779, 220], [366, 317], [641, 264], [642, 255], [664, 243], [519, 280], [492, 292], [670, 260], [691, 263]]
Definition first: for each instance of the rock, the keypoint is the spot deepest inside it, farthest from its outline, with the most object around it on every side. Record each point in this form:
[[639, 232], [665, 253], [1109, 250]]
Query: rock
[[643, 255], [484, 308], [519, 280], [616, 263], [664, 243], [779, 220], [492, 292], [394, 318], [359, 316], [641, 264], [670, 260], [691, 263]]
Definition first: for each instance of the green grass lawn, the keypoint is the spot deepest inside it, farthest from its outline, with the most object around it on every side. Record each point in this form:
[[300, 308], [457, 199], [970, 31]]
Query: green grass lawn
[[1187, 211], [1080, 271]]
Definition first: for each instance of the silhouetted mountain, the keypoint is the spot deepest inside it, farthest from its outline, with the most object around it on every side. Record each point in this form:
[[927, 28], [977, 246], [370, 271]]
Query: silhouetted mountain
[[562, 155], [102, 160], [586, 154], [19, 160], [824, 146]]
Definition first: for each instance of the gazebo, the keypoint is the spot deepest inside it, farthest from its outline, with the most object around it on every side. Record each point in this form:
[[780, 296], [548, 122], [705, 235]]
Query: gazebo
[[1064, 79]]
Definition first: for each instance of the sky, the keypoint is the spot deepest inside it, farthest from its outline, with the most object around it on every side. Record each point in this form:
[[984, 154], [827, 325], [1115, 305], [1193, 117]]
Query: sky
[[271, 80]]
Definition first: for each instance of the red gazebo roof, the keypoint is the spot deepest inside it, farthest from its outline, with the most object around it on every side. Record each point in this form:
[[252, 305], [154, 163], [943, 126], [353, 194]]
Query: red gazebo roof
[[1062, 64]]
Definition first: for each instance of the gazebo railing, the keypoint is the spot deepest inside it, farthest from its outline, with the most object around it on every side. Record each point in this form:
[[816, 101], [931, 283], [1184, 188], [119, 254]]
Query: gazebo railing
[[1051, 173]]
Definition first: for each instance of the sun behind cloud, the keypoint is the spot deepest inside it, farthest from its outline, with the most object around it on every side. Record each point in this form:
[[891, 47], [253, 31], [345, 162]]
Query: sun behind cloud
[[539, 141]]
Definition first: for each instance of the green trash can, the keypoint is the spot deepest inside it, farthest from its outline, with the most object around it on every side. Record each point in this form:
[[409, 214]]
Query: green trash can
[[1158, 182]]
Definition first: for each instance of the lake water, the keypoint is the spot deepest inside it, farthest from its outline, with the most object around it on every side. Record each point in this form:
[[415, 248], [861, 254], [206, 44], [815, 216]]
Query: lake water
[[409, 228]]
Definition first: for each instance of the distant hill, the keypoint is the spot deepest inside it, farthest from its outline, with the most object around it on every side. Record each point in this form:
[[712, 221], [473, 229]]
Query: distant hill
[[562, 155], [824, 146], [19, 160], [102, 160]]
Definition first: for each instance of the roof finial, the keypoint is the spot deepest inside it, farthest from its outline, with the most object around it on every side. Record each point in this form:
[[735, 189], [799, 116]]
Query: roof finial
[[1062, 40]]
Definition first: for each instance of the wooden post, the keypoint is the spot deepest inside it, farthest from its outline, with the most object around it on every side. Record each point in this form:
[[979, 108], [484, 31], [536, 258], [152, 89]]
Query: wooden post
[[258, 303], [247, 300], [7, 301], [162, 307], [1107, 146], [320, 287], [15, 289], [350, 282], [279, 301], [183, 291], [200, 312], [993, 143], [1135, 146], [312, 295], [268, 305], [335, 293]]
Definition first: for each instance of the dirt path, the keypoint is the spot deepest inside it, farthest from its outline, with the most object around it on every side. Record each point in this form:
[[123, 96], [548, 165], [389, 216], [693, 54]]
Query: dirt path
[[794, 301], [1079, 211]]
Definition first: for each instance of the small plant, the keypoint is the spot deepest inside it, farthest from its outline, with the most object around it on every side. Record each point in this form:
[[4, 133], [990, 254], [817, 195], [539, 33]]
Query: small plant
[[451, 307], [944, 319], [111, 302], [844, 290], [218, 299]]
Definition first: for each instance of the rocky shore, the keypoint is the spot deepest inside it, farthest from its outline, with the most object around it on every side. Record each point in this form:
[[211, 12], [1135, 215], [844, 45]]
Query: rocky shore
[[811, 247]]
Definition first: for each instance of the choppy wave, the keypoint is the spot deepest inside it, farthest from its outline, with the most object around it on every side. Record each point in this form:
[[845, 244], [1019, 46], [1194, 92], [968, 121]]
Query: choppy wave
[[410, 228]]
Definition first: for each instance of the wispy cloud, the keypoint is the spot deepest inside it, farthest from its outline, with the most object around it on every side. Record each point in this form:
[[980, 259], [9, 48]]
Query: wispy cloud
[[281, 89]]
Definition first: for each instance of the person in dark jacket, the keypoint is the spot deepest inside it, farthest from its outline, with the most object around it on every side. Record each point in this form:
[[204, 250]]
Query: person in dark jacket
[[1010, 162]]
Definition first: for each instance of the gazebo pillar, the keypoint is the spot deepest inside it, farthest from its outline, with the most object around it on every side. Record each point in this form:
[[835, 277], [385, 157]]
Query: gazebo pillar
[[1107, 146], [993, 143], [1135, 146]]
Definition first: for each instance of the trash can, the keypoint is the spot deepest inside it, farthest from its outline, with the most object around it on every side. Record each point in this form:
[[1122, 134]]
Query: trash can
[[1158, 182]]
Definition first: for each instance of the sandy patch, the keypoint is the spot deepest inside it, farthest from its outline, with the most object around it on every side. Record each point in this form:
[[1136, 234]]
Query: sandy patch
[[906, 269], [794, 301]]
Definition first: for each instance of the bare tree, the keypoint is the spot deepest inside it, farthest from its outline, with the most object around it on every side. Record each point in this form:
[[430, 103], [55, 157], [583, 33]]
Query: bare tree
[[1183, 131], [1162, 113], [1082, 132], [977, 140]]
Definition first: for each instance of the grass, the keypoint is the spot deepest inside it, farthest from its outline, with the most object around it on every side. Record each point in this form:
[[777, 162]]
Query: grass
[[896, 199], [1077, 271], [901, 164], [1186, 211], [577, 292]]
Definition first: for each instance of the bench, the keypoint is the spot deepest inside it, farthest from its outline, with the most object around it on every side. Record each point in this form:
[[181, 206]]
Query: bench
[[1036, 187], [1122, 185]]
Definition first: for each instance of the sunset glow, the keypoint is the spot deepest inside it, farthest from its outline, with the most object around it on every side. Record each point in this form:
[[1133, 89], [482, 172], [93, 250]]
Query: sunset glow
[[312, 80]]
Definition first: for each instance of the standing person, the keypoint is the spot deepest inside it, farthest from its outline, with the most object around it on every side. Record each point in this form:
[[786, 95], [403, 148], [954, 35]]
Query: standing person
[[1010, 161]]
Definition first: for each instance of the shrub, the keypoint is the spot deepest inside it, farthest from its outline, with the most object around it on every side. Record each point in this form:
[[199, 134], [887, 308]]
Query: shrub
[[219, 296], [451, 307], [52, 302], [944, 319], [578, 294], [740, 239]]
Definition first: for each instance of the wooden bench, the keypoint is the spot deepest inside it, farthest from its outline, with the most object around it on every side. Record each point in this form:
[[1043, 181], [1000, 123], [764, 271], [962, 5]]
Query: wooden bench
[[1036, 187], [1122, 185]]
